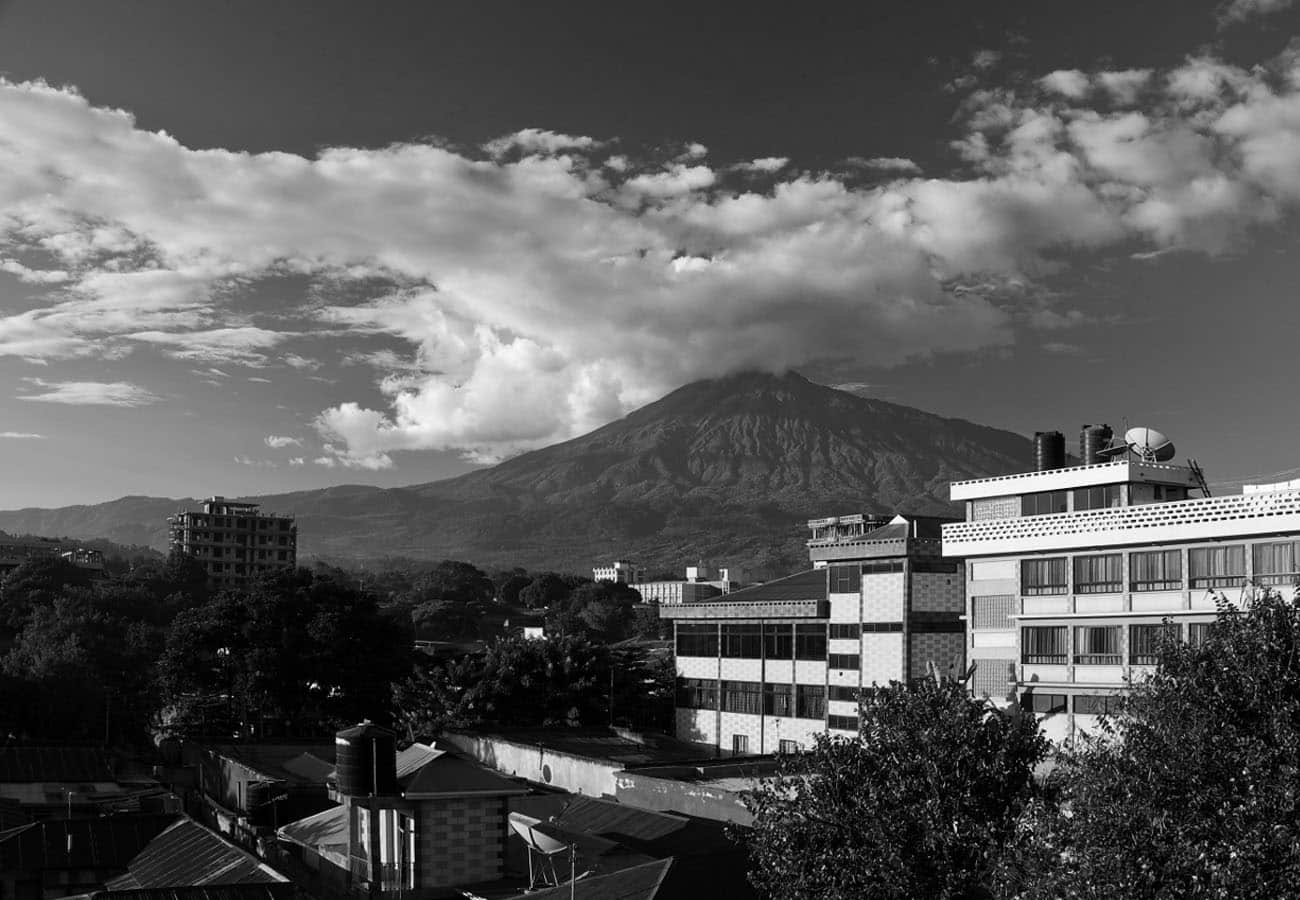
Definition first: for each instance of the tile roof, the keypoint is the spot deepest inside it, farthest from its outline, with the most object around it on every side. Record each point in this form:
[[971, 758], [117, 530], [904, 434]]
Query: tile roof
[[187, 854], [32, 764], [107, 843]]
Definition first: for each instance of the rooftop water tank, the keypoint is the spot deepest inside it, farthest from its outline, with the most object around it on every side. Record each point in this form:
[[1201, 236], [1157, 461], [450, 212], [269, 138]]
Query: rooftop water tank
[[1092, 440], [1049, 450], [365, 760]]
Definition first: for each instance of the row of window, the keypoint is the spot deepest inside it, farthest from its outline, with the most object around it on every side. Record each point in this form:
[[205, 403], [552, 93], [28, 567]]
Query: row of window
[[848, 579], [1084, 704], [1100, 645], [751, 640], [1276, 563], [804, 701], [1105, 496], [230, 522], [851, 630]]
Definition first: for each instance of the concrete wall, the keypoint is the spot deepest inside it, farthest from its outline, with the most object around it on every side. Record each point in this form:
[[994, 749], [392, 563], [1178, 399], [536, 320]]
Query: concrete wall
[[575, 774], [670, 795]]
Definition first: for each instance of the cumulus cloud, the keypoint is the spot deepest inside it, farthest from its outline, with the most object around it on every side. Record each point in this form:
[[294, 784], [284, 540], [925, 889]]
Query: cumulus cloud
[[764, 165], [89, 393], [541, 293], [1240, 10], [296, 461], [21, 436], [257, 463], [1069, 83], [279, 441]]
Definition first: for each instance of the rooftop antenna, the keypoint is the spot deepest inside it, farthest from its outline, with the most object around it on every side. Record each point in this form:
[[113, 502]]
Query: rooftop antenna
[[1149, 445]]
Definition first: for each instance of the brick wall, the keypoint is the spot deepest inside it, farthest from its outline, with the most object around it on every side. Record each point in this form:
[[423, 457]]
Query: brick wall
[[944, 649], [460, 841], [938, 592]]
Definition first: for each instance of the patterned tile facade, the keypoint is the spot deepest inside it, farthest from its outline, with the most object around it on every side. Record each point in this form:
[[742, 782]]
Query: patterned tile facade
[[460, 841]]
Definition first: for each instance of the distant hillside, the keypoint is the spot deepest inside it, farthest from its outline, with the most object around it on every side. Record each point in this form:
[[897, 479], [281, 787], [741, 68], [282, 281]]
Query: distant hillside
[[724, 470]]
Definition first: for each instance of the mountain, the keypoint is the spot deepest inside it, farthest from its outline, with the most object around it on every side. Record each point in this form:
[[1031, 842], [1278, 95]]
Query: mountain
[[726, 470]]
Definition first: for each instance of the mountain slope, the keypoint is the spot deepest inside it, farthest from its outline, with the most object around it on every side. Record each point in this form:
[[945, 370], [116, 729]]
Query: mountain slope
[[724, 470]]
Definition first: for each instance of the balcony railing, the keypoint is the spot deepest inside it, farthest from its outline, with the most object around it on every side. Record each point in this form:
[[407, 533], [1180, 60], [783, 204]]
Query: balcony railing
[[1211, 517]]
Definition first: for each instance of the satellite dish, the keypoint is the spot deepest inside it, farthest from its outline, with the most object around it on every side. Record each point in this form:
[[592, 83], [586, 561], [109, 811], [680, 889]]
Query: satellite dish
[[1149, 444], [526, 828]]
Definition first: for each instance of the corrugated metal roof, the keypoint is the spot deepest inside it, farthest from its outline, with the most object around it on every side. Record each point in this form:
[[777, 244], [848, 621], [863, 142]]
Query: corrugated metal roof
[[413, 758], [187, 854], [325, 829], [202, 892], [295, 763], [637, 883], [451, 774], [29, 764], [616, 820], [107, 843]]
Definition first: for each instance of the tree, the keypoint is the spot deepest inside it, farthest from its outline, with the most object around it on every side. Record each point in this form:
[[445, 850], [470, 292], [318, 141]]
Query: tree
[[547, 590], [923, 804], [36, 583], [1190, 788]]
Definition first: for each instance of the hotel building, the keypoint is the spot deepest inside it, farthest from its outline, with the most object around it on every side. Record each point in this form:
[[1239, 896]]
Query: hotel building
[[1073, 574], [234, 541], [763, 669]]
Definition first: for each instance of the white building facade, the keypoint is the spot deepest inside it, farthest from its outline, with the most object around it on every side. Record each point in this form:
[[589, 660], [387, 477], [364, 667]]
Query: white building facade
[[1074, 575], [763, 669]]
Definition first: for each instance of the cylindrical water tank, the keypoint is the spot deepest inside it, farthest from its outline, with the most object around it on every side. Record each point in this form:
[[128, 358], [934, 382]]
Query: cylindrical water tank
[[1092, 440], [259, 802], [1049, 450], [365, 760]]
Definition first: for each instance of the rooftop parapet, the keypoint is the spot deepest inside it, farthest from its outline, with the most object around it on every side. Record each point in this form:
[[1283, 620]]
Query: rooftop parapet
[[1118, 472]]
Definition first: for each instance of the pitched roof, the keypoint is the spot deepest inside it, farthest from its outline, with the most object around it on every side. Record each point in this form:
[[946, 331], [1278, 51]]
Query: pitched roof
[[636, 883], [187, 854], [33, 764], [202, 892], [107, 843], [325, 829], [809, 585], [450, 774], [296, 763]]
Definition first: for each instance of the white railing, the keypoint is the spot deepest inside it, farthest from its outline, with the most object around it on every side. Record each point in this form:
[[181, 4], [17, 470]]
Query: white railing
[[1207, 518], [1182, 475]]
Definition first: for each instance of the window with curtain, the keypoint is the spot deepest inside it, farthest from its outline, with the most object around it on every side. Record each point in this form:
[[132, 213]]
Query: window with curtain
[[1197, 632], [845, 630], [778, 700], [697, 693], [843, 693], [742, 697], [1043, 645], [1101, 573], [1217, 567], [1276, 563], [1156, 570], [1040, 577], [810, 701], [843, 661], [1097, 645], [843, 723], [992, 611], [1095, 704], [778, 641], [1145, 641], [1043, 704]]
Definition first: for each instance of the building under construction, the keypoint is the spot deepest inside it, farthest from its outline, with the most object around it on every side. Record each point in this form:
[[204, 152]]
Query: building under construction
[[234, 541]]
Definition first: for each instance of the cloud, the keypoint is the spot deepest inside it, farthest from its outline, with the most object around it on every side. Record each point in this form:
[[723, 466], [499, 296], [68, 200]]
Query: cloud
[[765, 165], [279, 442], [1069, 83], [90, 393], [257, 463], [540, 293], [899, 164], [1237, 11], [21, 436], [1060, 348], [296, 461], [260, 380]]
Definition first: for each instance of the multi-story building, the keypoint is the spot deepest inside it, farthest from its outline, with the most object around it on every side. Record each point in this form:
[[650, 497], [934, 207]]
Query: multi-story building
[[234, 541], [1074, 574], [763, 669], [701, 583], [619, 571]]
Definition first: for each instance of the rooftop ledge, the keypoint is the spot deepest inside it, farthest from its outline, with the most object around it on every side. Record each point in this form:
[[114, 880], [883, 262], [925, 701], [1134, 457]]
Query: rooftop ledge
[[1121, 470], [1210, 518]]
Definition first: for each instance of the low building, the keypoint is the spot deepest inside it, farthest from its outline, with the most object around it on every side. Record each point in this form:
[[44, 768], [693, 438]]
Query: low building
[[708, 789], [187, 855], [702, 582], [763, 669], [420, 822], [1075, 573], [234, 541], [58, 782], [16, 553]]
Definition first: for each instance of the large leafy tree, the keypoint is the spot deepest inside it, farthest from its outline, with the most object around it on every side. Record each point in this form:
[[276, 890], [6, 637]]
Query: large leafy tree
[[923, 804], [293, 653], [1192, 789]]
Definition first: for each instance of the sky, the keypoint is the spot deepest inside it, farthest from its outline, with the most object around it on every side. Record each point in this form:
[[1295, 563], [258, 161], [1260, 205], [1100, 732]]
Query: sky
[[252, 247]]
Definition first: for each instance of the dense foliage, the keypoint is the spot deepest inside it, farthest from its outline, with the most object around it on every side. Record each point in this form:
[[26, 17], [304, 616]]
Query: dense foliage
[[924, 804], [1193, 788]]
